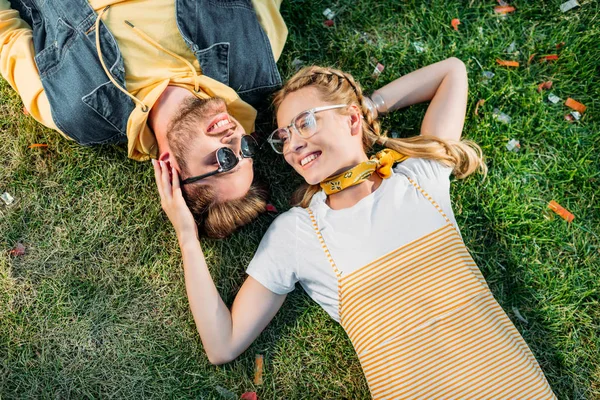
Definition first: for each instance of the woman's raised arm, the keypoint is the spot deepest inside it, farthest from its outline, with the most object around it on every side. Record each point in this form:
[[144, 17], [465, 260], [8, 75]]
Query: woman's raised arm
[[225, 334], [444, 84]]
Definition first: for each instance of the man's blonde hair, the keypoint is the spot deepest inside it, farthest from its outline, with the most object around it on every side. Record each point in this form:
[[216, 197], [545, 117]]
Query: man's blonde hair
[[335, 86], [215, 218]]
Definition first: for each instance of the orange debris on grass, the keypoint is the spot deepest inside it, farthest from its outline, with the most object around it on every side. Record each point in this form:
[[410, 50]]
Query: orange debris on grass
[[557, 208], [455, 23], [504, 9], [37, 145], [506, 63], [544, 85], [479, 103], [550, 57], [575, 105], [258, 369]]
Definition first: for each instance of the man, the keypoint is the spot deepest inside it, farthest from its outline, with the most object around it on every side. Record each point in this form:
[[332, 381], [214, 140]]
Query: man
[[176, 79]]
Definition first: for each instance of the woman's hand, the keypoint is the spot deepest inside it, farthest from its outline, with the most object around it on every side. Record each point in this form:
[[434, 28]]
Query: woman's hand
[[444, 83], [172, 202]]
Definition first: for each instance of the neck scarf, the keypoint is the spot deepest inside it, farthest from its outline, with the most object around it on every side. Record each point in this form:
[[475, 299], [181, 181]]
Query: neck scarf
[[381, 163]]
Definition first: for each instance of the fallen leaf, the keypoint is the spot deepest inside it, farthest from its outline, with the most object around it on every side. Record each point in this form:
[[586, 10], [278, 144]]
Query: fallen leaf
[[531, 58], [560, 45], [506, 63], [455, 23], [328, 22], [479, 103], [544, 85], [249, 396], [18, 251]]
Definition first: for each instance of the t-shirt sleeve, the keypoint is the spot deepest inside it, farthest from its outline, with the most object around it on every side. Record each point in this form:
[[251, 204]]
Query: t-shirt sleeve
[[275, 263], [432, 176]]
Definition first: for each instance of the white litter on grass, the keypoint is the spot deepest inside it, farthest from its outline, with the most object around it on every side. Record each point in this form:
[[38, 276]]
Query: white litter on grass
[[501, 117], [519, 316], [225, 393], [553, 98], [329, 14], [569, 5], [511, 48], [576, 115], [513, 145], [488, 74], [7, 198], [419, 47], [297, 64]]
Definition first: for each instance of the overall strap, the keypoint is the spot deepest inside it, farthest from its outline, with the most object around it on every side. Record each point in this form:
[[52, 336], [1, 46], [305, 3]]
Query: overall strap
[[337, 272], [431, 200]]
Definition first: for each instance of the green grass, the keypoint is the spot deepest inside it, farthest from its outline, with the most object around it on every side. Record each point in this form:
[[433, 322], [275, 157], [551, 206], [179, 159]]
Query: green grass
[[97, 306]]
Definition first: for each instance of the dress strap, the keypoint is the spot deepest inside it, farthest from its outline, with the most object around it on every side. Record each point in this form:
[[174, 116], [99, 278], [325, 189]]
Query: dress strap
[[431, 200], [338, 274], [322, 241]]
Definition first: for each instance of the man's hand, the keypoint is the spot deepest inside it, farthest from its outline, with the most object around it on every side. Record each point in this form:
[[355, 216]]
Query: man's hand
[[172, 202]]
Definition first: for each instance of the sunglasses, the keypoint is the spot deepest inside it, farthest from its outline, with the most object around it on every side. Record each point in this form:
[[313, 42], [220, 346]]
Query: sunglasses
[[303, 124], [227, 160]]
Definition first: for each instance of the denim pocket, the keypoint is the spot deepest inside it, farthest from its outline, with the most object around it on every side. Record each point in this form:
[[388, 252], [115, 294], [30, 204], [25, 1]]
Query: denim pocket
[[105, 100], [214, 61], [52, 56]]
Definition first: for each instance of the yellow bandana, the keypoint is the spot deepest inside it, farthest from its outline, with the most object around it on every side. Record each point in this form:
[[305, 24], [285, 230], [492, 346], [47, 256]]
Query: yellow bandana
[[381, 163]]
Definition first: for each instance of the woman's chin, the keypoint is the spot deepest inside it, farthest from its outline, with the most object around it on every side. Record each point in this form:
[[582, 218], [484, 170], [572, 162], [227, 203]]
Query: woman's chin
[[311, 180]]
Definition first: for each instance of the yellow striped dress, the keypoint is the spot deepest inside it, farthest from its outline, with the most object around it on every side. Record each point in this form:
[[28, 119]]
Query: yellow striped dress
[[426, 326]]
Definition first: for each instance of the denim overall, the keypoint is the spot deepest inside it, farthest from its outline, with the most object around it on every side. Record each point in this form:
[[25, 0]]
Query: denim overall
[[224, 35]]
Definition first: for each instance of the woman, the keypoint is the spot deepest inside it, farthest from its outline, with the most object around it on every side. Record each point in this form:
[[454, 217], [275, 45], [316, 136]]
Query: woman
[[377, 247]]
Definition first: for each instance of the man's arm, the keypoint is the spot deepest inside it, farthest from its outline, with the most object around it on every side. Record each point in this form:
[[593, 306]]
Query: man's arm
[[444, 83], [225, 334], [17, 64]]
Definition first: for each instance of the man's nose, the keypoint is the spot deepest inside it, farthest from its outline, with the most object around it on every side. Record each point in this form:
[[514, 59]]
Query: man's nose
[[231, 135]]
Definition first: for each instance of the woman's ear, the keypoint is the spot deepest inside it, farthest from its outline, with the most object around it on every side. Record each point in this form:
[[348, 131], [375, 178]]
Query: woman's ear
[[356, 118]]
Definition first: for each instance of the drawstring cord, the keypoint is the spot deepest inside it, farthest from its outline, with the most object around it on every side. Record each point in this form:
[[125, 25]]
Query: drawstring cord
[[147, 38], [135, 99]]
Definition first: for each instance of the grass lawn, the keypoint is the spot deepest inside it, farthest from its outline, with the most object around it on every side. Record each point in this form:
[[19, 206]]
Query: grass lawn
[[97, 307]]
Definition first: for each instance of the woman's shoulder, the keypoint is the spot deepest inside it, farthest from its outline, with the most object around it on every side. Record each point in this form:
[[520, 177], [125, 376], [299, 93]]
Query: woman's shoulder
[[421, 168], [288, 221]]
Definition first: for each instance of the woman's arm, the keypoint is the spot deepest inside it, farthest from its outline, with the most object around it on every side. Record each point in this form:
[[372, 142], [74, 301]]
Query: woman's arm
[[444, 83], [225, 334]]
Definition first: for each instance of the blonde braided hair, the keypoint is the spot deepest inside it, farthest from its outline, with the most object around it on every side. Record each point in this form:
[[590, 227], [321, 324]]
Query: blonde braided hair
[[335, 86]]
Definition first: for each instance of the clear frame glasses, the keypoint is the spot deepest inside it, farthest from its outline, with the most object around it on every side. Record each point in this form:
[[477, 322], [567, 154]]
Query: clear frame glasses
[[227, 160], [303, 124]]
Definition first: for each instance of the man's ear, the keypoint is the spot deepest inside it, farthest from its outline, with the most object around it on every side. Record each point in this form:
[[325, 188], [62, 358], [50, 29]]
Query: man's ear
[[165, 156], [355, 120], [168, 159]]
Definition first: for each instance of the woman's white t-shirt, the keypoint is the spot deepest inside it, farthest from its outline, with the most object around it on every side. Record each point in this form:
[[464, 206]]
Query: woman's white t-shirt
[[395, 214]]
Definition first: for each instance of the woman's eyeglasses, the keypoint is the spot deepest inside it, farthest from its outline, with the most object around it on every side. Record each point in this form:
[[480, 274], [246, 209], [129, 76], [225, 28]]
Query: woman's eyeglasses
[[227, 160], [304, 124]]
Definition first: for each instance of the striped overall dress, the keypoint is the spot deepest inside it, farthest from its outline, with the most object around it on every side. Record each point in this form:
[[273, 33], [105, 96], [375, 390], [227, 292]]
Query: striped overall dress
[[425, 325]]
